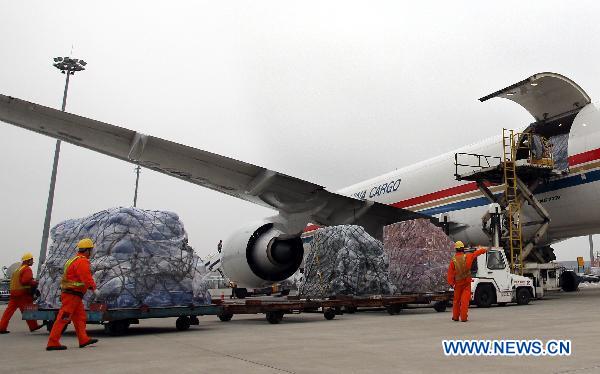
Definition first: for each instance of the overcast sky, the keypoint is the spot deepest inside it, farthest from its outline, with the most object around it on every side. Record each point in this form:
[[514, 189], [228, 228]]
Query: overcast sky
[[330, 92]]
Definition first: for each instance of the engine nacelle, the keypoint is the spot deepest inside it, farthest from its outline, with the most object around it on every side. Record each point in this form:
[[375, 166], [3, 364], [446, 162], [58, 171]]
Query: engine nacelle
[[259, 254]]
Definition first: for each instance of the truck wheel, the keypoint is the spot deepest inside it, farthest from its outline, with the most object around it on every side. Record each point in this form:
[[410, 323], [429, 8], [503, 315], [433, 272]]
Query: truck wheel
[[523, 296], [440, 306], [50, 324], [274, 317], [329, 314], [116, 328], [183, 323], [393, 309], [569, 281], [484, 296], [225, 317]]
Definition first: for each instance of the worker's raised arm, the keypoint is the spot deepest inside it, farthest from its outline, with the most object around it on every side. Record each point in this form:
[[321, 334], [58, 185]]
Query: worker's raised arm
[[480, 251], [83, 270]]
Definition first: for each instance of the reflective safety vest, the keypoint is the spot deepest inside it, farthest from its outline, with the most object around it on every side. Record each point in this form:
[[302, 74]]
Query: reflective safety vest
[[66, 284], [460, 267], [15, 280]]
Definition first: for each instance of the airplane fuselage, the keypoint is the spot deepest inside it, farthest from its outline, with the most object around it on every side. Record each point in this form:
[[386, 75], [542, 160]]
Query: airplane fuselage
[[430, 187]]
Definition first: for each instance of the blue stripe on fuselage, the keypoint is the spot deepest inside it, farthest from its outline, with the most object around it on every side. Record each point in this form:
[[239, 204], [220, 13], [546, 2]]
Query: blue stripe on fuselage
[[555, 185]]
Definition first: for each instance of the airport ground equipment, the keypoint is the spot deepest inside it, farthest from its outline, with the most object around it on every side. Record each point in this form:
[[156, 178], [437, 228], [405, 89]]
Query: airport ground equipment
[[275, 308], [493, 282], [117, 321], [519, 171], [551, 277], [522, 167], [4, 289]]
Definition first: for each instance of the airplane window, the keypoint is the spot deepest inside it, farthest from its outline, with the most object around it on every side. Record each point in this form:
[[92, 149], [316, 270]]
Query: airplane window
[[495, 261]]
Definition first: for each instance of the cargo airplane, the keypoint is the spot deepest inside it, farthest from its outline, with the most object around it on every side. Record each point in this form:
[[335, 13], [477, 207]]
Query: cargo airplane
[[271, 249]]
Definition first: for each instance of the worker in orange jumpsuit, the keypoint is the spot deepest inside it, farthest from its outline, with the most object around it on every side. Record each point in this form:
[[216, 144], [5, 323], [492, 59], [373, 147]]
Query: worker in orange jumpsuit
[[76, 281], [459, 277], [21, 286]]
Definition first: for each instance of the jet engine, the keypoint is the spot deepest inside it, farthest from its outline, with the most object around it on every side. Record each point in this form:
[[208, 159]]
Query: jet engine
[[259, 254]]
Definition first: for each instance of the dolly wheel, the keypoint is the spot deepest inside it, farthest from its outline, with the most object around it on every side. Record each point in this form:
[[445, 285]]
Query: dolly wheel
[[194, 320], [329, 314], [394, 309], [225, 317], [440, 306], [116, 328], [274, 317], [183, 323]]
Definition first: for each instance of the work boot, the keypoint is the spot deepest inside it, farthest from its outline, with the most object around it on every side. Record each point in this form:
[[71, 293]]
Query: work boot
[[91, 341], [455, 319], [4, 332], [56, 348]]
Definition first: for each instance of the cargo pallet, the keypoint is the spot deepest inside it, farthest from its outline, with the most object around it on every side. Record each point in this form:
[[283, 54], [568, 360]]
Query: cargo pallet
[[117, 321]]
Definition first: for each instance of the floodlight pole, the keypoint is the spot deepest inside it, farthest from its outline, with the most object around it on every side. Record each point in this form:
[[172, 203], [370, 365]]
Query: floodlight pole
[[67, 66]]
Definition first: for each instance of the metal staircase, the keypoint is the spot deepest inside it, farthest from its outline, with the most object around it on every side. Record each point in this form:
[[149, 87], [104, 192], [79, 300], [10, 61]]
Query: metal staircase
[[519, 172], [512, 201]]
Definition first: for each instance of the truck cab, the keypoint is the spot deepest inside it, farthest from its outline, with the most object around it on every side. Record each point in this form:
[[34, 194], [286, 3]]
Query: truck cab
[[493, 283], [4, 289]]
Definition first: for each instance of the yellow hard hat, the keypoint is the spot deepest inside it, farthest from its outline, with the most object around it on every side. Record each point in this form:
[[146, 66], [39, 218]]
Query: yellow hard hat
[[458, 245], [27, 256], [84, 244]]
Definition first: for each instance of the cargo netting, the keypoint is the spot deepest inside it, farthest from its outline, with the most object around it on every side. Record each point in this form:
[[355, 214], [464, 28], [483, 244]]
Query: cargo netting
[[419, 254], [141, 258], [345, 260]]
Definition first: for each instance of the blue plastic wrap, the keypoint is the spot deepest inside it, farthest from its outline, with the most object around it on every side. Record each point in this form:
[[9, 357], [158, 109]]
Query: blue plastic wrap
[[141, 258]]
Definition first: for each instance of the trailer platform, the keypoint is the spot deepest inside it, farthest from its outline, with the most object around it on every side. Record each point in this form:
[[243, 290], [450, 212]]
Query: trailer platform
[[276, 308], [117, 321]]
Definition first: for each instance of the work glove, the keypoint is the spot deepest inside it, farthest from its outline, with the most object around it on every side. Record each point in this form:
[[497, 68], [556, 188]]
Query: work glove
[[96, 294]]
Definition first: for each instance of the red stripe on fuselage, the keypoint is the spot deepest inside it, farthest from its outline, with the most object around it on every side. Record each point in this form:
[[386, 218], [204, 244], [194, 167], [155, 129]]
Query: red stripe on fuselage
[[577, 159], [311, 228], [436, 195], [581, 158]]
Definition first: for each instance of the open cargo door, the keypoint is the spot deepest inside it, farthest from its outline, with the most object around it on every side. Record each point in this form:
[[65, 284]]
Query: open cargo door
[[546, 96]]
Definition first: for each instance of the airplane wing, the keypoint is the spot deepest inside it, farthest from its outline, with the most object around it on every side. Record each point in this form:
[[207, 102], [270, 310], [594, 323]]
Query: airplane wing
[[248, 182]]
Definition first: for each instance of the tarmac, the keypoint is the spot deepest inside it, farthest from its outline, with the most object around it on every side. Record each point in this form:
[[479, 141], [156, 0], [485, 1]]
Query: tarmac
[[364, 342]]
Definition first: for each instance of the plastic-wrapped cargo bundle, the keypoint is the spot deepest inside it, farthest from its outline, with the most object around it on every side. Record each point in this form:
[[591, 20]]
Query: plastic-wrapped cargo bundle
[[559, 146], [419, 254], [141, 258], [345, 260], [560, 151]]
